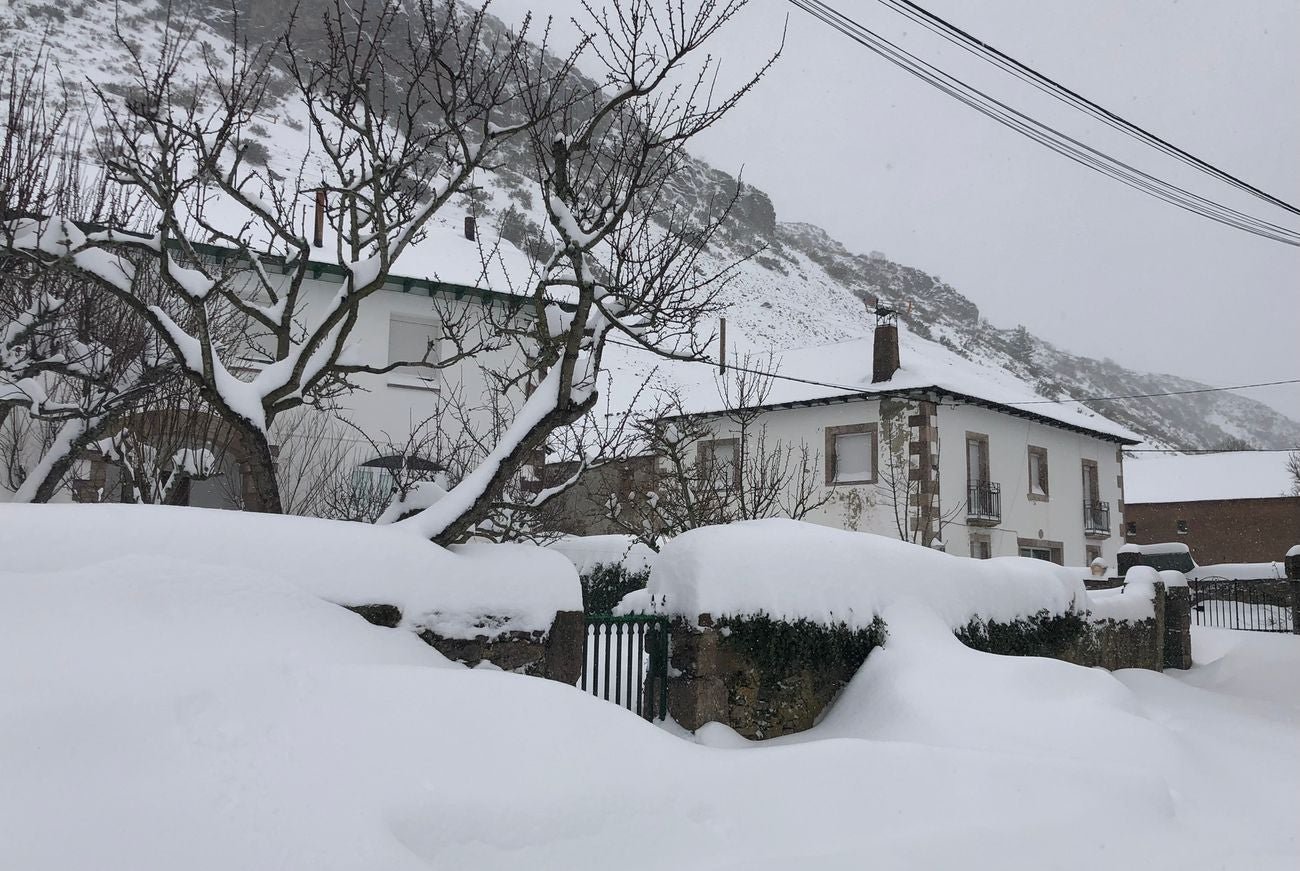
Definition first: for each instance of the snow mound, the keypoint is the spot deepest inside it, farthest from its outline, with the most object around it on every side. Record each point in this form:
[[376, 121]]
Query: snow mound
[[522, 586], [792, 571], [588, 551]]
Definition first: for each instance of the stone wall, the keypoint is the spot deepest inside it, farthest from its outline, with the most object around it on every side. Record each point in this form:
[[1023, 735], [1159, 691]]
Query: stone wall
[[765, 678], [761, 677], [555, 654]]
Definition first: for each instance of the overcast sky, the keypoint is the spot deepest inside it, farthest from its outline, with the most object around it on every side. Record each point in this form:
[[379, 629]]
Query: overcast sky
[[840, 138]]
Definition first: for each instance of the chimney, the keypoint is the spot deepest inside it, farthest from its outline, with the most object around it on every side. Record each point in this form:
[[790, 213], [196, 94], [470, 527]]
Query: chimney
[[470, 228], [884, 356]]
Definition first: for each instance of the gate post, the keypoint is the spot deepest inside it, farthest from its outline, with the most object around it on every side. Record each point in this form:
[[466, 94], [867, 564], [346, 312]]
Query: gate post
[[1293, 573]]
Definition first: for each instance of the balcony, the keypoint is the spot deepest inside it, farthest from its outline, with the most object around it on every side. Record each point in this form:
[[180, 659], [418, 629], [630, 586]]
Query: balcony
[[1096, 519], [983, 503]]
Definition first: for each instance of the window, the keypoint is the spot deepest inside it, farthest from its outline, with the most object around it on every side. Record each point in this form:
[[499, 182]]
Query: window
[[411, 340], [1091, 485], [1038, 473], [980, 547], [1182, 527], [977, 458], [718, 461], [1048, 551], [1132, 527], [851, 454], [369, 482]]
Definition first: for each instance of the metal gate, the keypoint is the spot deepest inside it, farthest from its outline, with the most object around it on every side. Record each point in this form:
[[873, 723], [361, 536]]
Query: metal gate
[[1258, 606], [625, 661]]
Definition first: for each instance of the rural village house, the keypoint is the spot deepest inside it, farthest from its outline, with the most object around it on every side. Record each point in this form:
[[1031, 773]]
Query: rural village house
[[917, 442], [441, 277]]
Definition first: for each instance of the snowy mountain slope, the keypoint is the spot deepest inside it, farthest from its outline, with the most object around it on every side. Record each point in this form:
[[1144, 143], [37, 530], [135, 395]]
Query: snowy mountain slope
[[798, 288]]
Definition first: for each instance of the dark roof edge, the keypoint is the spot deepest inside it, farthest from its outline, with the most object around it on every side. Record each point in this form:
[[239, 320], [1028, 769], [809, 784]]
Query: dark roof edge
[[923, 393]]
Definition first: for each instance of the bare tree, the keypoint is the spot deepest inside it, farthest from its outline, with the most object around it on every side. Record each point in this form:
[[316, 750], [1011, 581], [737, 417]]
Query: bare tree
[[719, 467], [627, 258], [1293, 471], [916, 513], [388, 159]]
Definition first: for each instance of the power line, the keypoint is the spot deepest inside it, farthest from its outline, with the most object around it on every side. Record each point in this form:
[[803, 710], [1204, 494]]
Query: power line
[[1044, 134], [705, 361], [1024, 72], [1153, 395]]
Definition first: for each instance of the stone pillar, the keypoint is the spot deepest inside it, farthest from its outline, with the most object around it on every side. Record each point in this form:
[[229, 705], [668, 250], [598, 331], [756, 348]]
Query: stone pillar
[[697, 693], [1178, 627], [1158, 660], [1293, 573]]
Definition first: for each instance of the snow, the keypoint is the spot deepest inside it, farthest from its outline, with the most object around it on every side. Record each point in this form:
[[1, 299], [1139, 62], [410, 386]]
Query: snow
[[791, 570], [1203, 477], [522, 586], [589, 551], [1239, 571], [173, 708], [1155, 549], [845, 370]]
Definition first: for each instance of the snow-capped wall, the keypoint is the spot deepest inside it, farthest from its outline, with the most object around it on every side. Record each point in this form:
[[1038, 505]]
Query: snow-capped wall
[[801, 571]]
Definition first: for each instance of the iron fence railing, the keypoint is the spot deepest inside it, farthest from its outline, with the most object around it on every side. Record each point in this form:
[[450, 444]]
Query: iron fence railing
[[1096, 517], [983, 502], [1258, 606]]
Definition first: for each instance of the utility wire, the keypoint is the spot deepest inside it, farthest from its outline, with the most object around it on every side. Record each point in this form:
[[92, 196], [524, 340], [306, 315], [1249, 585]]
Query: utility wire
[[1024, 72], [1152, 395], [704, 361], [1044, 134]]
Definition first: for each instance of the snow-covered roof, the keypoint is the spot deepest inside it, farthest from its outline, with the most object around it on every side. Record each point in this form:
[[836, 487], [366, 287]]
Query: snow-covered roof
[[1203, 477], [843, 373]]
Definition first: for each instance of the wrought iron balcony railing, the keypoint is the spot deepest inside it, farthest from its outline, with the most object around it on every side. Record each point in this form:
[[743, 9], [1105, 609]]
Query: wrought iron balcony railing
[[1096, 518], [983, 503]]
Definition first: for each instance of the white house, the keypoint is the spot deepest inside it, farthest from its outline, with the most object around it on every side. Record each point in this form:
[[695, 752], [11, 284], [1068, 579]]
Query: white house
[[447, 275], [970, 457]]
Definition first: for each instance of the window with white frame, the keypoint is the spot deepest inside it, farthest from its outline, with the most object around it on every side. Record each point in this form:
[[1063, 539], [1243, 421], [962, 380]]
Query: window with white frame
[[411, 339]]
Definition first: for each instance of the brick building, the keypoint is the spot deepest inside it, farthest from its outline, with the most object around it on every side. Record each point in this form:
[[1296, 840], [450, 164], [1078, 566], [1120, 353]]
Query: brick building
[[1227, 508]]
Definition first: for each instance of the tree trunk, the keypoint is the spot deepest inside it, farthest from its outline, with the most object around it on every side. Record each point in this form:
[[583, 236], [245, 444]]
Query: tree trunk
[[264, 494]]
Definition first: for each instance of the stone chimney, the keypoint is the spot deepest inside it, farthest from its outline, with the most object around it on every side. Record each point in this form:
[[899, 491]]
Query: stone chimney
[[884, 357]]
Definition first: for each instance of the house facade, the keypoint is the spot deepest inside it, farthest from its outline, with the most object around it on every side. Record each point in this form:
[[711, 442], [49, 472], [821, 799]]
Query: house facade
[[934, 451], [350, 443]]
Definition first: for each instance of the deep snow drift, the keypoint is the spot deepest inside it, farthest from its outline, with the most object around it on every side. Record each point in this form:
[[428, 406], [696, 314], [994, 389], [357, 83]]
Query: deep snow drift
[[345, 563], [163, 709]]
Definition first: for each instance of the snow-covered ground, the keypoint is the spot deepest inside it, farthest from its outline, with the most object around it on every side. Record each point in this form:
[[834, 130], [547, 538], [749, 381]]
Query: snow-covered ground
[[176, 710]]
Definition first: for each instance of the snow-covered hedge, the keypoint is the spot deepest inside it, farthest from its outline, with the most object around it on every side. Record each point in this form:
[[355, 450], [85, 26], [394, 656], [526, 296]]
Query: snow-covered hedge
[[794, 571], [449, 591]]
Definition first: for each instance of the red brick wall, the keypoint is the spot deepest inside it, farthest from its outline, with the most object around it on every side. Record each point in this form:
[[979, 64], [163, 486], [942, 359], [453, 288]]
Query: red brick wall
[[1220, 531]]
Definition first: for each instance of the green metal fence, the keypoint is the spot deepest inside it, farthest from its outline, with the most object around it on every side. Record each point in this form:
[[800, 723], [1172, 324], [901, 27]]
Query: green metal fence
[[625, 661]]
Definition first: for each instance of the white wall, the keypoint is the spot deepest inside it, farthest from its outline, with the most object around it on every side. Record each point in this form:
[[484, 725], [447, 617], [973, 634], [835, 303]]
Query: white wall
[[1060, 517]]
